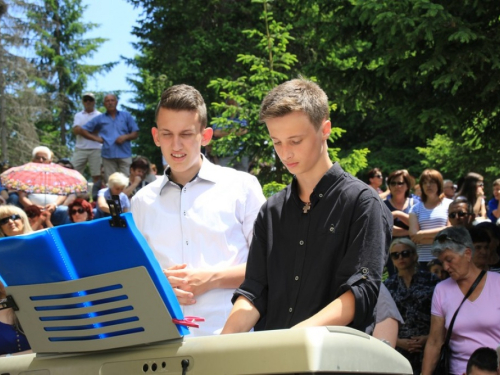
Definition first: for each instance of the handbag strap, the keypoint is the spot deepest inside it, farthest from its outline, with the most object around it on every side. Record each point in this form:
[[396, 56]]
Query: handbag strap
[[472, 288]]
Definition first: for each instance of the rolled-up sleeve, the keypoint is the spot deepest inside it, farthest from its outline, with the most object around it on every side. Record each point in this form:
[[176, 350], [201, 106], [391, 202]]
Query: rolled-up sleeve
[[369, 240]]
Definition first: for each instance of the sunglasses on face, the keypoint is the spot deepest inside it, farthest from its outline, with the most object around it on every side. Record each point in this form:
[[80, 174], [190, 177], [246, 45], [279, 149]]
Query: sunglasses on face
[[403, 254], [397, 183], [459, 214], [77, 211], [378, 176], [480, 184], [31, 215], [5, 220], [88, 99]]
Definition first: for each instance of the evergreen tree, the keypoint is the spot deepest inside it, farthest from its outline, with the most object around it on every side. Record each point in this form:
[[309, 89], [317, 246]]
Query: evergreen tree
[[61, 48]]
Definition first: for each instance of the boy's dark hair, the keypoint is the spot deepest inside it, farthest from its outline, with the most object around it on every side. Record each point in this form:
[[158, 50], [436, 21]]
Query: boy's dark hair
[[183, 98], [293, 96], [484, 358]]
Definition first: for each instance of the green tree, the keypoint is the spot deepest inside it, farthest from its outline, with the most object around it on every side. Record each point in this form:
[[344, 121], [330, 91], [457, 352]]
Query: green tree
[[60, 47], [20, 105], [265, 70]]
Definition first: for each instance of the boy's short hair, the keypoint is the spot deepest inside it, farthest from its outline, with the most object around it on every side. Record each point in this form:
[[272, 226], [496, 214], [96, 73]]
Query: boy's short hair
[[496, 182], [183, 98], [484, 359], [296, 95]]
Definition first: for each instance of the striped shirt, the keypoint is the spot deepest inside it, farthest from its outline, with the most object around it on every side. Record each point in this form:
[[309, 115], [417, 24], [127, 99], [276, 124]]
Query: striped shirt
[[429, 219]]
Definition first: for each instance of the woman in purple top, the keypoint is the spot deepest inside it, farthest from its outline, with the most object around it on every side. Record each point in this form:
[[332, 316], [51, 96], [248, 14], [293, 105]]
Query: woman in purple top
[[478, 321]]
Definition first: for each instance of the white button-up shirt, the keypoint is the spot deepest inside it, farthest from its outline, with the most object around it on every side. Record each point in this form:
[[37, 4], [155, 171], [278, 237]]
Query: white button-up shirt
[[208, 224], [81, 118]]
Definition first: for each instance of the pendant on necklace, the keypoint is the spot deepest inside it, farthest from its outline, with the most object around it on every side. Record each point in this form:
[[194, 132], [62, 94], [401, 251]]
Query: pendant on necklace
[[306, 207]]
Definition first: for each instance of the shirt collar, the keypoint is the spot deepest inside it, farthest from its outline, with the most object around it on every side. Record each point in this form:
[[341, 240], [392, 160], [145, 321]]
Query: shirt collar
[[207, 172], [327, 181]]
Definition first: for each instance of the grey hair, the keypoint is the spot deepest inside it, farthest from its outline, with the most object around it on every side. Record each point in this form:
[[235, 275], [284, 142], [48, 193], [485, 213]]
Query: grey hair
[[43, 149], [118, 179], [457, 239]]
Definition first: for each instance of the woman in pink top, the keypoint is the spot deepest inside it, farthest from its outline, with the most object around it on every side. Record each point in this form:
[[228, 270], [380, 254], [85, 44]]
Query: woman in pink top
[[478, 321]]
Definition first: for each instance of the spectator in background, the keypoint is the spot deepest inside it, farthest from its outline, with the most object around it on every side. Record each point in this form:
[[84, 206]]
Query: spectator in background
[[139, 169], [460, 213], [80, 210], [436, 267], [38, 219], [484, 361], [375, 180], [117, 183], [417, 191], [478, 322], [399, 201], [449, 189], [412, 291], [87, 151], [13, 221], [114, 129], [493, 211], [429, 216], [481, 241], [50, 202], [473, 189], [494, 234]]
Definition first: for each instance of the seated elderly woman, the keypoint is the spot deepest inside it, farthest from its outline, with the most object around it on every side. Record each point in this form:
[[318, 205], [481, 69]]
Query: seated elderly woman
[[80, 210], [477, 322], [13, 221], [117, 182], [412, 291]]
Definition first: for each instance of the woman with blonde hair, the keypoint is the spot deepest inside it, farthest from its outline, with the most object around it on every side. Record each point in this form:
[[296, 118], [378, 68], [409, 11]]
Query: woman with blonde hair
[[13, 221]]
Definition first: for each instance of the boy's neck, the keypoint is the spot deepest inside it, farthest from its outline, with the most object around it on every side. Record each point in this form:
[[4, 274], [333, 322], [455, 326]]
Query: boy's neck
[[306, 182]]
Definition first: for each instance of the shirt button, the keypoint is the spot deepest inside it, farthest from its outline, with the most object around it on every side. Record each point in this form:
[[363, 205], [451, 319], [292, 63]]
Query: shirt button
[[332, 229], [187, 242], [185, 190], [320, 195], [296, 278], [290, 309], [184, 213], [301, 242]]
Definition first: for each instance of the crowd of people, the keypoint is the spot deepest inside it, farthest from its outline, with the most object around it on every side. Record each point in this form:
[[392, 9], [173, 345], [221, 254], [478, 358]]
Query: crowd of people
[[313, 254]]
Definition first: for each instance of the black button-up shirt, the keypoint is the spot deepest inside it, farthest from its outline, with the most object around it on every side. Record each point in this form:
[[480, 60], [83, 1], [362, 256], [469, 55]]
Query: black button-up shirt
[[300, 262]]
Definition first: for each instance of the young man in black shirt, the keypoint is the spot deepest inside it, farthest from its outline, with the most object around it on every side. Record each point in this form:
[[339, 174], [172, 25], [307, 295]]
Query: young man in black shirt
[[319, 245]]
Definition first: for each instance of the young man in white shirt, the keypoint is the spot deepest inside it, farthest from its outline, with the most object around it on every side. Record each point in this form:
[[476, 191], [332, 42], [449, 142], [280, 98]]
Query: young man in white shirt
[[198, 218], [86, 150]]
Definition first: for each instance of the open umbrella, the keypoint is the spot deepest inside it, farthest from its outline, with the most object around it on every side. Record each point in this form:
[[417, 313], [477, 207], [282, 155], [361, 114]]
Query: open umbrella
[[37, 178]]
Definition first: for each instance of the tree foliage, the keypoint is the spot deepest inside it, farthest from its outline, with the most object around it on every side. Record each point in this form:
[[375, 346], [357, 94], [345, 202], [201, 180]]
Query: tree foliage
[[60, 48], [264, 71], [20, 104]]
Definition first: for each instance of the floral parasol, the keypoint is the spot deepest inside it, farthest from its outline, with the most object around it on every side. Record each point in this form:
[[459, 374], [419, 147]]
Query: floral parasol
[[37, 178]]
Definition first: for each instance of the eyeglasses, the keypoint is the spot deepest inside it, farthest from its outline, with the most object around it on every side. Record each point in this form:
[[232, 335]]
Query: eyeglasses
[[77, 211], [459, 214], [397, 183], [41, 158], [378, 176], [5, 220], [88, 99], [480, 184], [403, 254]]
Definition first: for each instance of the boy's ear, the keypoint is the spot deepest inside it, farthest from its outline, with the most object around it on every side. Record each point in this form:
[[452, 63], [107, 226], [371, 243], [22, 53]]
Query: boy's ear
[[326, 129], [206, 136], [154, 133]]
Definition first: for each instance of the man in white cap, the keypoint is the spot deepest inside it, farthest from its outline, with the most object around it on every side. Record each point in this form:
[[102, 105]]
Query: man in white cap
[[86, 150]]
